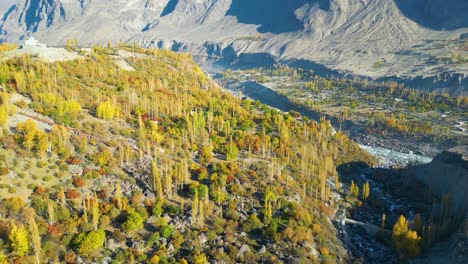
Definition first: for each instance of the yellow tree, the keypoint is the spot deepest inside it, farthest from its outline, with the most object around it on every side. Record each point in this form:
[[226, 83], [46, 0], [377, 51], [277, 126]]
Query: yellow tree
[[106, 110], [94, 204], [3, 115], [365, 191], [269, 203], [406, 240], [156, 180], [19, 240], [3, 258], [42, 143], [29, 214]]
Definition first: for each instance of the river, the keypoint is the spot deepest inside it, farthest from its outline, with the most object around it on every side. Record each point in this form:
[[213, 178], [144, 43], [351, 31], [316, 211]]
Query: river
[[391, 158], [256, 91]]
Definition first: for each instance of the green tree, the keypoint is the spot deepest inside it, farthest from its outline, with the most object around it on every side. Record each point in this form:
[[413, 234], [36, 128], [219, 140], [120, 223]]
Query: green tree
[[134, 221], [67, 111], [269, 202], [88, 243], [232, 151]]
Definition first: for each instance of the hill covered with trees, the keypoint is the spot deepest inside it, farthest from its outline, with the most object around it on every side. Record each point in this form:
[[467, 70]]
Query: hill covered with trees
[[154, 163]]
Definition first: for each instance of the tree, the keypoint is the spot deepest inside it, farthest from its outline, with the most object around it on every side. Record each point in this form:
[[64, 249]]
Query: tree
[[205, 154], [406, 240], [94, 208], [232, 151], [353, 189], [67, 111], [106, 110], [29, 215], [200, 259], [19, 240], [42, 143], [134, 221], [26, 132], [154, 133], [365, 190], [382, 224], [269, 202], [156, 180], [195, 207], [3, 115], [417, 224], [118, 195], [90, 242], [3, 258]]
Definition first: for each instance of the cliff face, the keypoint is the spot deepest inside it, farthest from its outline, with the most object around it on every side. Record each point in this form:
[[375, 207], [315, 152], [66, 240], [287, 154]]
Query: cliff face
[[448, 174], [349, 36]]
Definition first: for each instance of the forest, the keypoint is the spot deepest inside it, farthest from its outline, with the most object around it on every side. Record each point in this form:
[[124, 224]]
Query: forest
[[158, 165]]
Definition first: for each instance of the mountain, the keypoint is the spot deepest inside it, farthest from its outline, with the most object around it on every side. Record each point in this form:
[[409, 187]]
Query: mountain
[[447, 174], [412, 40]]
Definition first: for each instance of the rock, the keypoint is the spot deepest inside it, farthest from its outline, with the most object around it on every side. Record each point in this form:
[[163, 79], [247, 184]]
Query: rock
[[75, 170], [244, 249], [150, 195], [262, 250], [138, 245], [220, 250], [447, 173], [112, 245], [170, 248], [202, 238]]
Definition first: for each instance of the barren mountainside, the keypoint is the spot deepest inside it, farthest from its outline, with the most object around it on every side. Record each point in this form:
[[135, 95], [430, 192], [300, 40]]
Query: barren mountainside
[[375, 38]]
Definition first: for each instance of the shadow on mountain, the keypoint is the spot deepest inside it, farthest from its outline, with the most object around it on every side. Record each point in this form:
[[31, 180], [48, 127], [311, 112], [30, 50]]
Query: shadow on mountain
[[273, 16], [436, 14], [31, 18], [170, 7]]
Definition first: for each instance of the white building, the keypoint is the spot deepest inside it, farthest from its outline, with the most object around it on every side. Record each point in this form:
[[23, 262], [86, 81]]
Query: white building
[[34, 43]]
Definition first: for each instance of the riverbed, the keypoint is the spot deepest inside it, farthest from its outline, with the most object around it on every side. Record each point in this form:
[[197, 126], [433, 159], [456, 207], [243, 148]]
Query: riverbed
[[391, 158]]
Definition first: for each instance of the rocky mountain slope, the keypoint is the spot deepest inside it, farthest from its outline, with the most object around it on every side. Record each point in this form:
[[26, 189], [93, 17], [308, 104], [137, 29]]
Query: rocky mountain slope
[[447, 174], [375, 38]]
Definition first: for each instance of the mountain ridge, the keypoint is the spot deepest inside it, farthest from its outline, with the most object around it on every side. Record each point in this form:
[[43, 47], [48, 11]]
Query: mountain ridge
[[347, 36]]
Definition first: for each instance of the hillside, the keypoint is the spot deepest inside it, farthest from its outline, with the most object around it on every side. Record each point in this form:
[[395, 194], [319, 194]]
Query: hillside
[[418, 41], [447, 174], [127, 154]]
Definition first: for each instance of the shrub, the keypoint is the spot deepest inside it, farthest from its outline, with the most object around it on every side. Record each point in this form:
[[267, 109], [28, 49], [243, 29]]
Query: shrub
[[78, 182], [72, 194], [133, 222]]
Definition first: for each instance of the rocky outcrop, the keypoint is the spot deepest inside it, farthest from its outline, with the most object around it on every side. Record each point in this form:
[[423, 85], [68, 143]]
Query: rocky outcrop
[[448, 174], [347, 36]]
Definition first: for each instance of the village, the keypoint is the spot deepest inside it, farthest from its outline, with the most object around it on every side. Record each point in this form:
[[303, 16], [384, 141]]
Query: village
[[358, 109]]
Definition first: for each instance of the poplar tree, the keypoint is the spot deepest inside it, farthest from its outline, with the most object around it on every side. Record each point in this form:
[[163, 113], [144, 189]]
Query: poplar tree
[[195, 207], [29, 214], [156, 180], [94, 203], [19, 240], [365, 191]]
